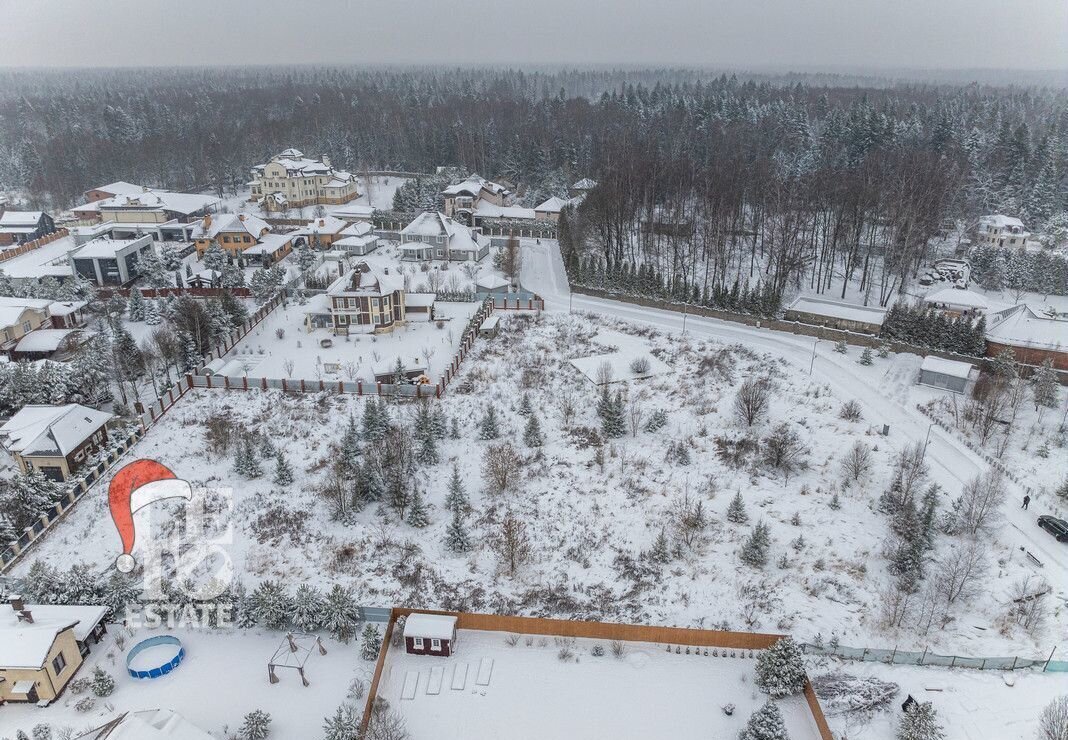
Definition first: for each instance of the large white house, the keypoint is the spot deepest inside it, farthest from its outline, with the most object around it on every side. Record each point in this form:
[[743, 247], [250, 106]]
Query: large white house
[[291, 180], [464, 198], [1002, 231]]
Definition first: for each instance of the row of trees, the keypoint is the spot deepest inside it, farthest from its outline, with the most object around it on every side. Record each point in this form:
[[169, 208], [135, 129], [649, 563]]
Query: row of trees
[[928, 327]]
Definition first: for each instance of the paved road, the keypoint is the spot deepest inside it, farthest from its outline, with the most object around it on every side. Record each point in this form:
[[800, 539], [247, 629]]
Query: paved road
[[543, 272]]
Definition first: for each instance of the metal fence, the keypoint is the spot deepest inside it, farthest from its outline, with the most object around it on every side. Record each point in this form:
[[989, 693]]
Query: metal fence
[[927, 658]]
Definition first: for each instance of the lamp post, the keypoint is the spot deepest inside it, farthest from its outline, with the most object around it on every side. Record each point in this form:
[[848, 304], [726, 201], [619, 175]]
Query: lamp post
[[927, 439], [812, 364]]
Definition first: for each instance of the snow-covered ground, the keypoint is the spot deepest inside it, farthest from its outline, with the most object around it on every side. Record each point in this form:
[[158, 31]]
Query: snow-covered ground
[[221, 679], [376, 191], [529, 693]]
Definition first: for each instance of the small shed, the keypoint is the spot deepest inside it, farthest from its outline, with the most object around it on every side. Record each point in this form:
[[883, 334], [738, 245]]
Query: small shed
[[490, 327], [950, 375], [429, 634]]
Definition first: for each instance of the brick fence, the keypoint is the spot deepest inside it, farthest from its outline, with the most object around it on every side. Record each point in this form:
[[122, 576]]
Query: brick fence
[[32, 245], [598, 630]]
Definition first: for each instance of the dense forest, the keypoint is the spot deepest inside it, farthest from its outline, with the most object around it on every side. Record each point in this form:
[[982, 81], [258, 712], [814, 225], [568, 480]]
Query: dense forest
[[784, 182]]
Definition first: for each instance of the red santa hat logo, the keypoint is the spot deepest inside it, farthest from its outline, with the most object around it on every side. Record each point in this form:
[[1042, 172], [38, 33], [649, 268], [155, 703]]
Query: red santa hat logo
[[134, 487]]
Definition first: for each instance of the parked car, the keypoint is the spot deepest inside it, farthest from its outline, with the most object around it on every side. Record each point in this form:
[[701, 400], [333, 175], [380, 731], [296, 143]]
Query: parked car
[[1056, 527]]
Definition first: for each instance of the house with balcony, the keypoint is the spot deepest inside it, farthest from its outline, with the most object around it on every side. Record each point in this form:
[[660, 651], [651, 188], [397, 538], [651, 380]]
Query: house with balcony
[[292, 180], [363, 299], [114, 262], [18, 227], [997, 230], [463, 199], [436, 236], [55, 440], [233, 232]]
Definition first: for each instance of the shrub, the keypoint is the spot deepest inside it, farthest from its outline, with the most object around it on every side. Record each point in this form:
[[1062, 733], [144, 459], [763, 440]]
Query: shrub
[[850, 411], [102, 683], [780, 669], [597, 650], [640, 366]]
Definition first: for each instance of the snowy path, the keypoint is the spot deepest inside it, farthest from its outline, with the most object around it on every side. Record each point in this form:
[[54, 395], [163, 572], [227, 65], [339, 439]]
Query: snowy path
[[951, 461]]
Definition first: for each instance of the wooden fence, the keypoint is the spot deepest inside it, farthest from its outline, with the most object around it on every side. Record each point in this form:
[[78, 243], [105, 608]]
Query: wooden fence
[[595, 630], [32, 245]]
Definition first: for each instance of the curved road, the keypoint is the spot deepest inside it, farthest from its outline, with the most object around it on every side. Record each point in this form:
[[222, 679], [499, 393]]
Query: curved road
[[543, 272]]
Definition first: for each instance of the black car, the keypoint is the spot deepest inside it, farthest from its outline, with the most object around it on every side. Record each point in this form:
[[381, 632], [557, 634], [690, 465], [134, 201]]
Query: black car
[[1056, 527]]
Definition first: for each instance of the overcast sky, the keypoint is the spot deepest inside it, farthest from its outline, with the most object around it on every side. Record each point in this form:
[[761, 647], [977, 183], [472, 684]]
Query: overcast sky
[[753, 34]]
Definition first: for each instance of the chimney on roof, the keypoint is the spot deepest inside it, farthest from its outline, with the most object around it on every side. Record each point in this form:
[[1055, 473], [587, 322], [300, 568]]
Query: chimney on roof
[[207, 220], [325, 160], [16, 602], [240, 217], [26, 616], [322, 222]]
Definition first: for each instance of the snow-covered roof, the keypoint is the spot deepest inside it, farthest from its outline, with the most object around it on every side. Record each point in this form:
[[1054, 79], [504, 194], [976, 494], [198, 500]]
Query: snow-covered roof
[[585, 183], [367, 280], [44, 340], [299, 165], [953, 368], [355, 242], [1001, 221], [490, 210], [148, 724], [955, 297], [838, 310], [269, 244], [431, 224], [182, 203], [51, 430], [120, 187], [419, 299], [430, 626], [26, 645], [324, 225], [65, 308], [11, 308], [491, 282], [475, 184], [103, 248], [1022, 327], [353, 211], [291, 153], [17, 219], [552, 205], [211, 226], [360, 228]]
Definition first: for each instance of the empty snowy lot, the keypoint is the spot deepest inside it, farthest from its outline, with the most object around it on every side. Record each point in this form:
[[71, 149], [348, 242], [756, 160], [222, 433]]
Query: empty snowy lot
[[221, 679], [529, 693]]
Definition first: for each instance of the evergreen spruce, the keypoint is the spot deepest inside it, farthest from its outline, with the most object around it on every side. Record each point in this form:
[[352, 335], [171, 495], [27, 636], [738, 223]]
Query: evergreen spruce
[[736, 510], [307, 608], [524, 406], [657, 420], [372, 642], [344, 724], [283, 473], [613, 422], [340, 613], [456, 536], [245, 461], [488, 427], [135, 307], [257, 725], [1044, 385], [456, 500], [780, 669], [103, 683], [418, 513], [920, 722], [840, 346], [755, 548], [865, 357], [765, 723], [532, 436], [271, 605], [661, 550], [454, 429]]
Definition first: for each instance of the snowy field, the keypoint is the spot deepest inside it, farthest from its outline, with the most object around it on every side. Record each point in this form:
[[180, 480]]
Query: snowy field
[[222, 678], [490, 689], [619, 362], [356, 357]]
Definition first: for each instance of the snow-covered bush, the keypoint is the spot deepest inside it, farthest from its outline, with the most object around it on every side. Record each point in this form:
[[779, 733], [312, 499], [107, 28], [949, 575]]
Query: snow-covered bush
[[372, 642], [766, 723], [849, 693], [780, 669], [103, 683], [920, 722]]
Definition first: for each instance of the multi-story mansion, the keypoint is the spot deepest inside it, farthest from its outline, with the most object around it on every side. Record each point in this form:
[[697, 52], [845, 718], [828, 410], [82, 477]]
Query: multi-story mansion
[[366, 299], [291, 180]]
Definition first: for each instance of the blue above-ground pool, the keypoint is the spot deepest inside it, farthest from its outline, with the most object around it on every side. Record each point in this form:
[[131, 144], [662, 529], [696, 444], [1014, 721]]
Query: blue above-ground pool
[[169, 658]]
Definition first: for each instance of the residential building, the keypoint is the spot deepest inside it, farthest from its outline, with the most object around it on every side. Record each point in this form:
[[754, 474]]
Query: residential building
[[18, 227], [1033, 337], [159, 212], [233, 232], [111, 261], [550, 209], [462, 199], [121, 187], [291, 180], [147, 724], [19, 317], [1002, 231], [357, 239], [270, 249], [582, 187], [54, 439], [433, 236], [836, 315], [322, 232], [366, 299], [42, 647], [430, 634], [45, 344], [956, 302]]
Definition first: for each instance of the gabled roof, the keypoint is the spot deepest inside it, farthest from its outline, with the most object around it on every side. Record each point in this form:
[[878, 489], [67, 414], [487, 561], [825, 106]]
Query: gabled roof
[[430, 626], [429, 224], [324, 225], [552, 205], [26, 645], [11, 308], [148, 724], [181, 203], [363, 279], [51, 430], [269, 244], [1022, 327], [475, 184], [585, 183], [1001, 221], [120, 187]]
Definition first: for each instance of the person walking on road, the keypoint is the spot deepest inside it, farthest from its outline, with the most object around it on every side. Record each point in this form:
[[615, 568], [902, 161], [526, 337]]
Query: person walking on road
[[1027, 502]]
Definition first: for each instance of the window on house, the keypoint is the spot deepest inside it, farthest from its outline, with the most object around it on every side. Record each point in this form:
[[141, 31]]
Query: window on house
[[435, 644], [25, 326], [58, 664], [417, 643]]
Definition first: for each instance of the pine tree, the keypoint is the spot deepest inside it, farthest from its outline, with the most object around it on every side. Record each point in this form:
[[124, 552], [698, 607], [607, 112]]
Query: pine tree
[[1044, 385], [488, 428], [340, 613], [372, 642], [840, 346], [245, 461], [307, 608], [418, 513], [454, 429], [456, 500], [657, 420], [780, 669], [865, 357], [920, 722], [736, 510], [103, 683], [765, 723], [375, 420], [257, 725], [755, 548], [271, 605], [7, 530], [613, 423], [135, 307], [456, 537], [214, 257], [344, 724], [532, 435], [524, 406], [191, 357], [661, 550], [153, 316], [120, 590]]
